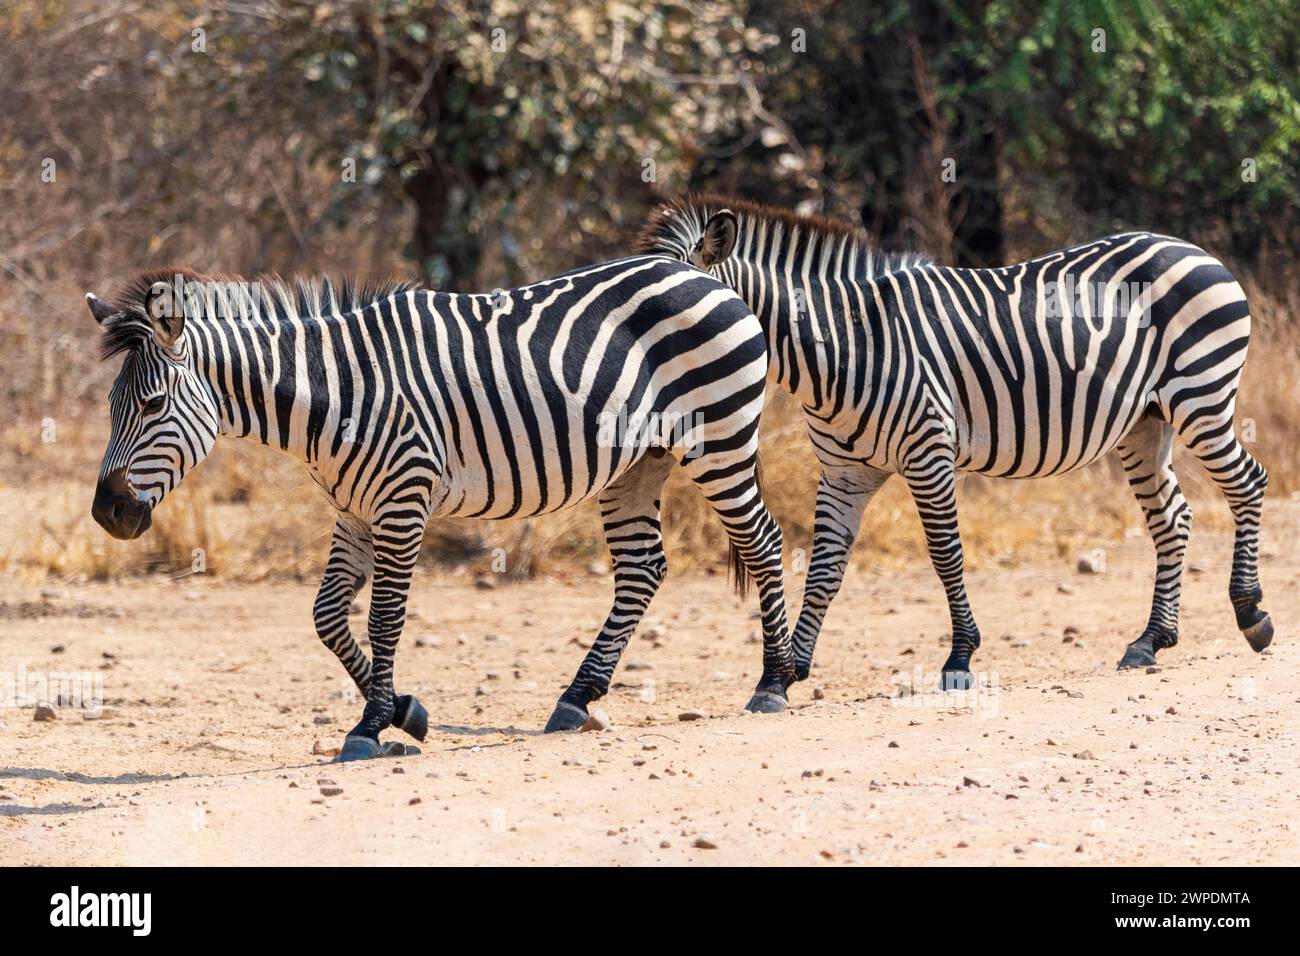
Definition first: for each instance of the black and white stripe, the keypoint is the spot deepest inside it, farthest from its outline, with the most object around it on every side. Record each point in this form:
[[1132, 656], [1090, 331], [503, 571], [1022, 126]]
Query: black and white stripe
[[905, 367], [407, 404]]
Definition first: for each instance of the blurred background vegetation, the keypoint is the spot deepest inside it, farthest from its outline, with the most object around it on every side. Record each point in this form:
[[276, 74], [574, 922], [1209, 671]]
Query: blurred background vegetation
[[484, 144]]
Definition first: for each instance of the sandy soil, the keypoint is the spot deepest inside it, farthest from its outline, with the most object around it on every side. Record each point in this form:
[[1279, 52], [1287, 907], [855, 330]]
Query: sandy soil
[[215, 696]]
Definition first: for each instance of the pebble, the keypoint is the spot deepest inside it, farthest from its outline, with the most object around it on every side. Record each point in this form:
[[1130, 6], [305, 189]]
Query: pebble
[[819, 694], [704, 843], [330, 791], [596, 720], [1092, 564], [44, 712], [692, 715]]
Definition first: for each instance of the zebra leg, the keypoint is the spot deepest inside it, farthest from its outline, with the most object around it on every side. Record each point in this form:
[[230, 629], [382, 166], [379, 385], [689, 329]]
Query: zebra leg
[[933, 483], [350, 562], [842, 496], [731, 487], [1147, 453], [1242, 480], [396, 546], [630, 513]]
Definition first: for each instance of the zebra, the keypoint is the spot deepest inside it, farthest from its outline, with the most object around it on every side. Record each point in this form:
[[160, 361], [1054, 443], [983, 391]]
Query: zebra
[[406, 404], [1122, 344]]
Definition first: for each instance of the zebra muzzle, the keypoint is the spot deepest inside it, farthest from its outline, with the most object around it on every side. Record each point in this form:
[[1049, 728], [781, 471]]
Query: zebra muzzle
[[117, 510]]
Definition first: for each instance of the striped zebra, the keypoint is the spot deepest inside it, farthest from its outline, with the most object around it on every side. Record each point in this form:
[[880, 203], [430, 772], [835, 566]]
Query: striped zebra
[[902, 366], [407, 404]]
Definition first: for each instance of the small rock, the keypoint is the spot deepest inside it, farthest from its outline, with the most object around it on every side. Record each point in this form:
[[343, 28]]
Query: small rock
[[485, 583], [819, 694], [596, 720], [57, 649], [1064, 588], [704, 843], [893, 744], [970, 782], [320, 750], [413, 801], [330, 791], [322, 719], [45, 712], [1153, 669], [1092, 563], [1084, 755], [692, 715], [639, 666]]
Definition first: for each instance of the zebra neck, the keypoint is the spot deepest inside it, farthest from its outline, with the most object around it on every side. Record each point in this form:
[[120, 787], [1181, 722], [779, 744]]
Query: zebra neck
[[260, 374], [809, 320]]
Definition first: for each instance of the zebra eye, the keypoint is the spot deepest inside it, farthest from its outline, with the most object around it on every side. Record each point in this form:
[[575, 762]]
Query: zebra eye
[[154, 405]]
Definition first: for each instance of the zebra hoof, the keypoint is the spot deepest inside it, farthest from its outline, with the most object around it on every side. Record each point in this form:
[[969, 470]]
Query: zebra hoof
[[1260, 634], [566, 716], [766, 702], [801, 671], [1137, 654], [956, 680], [409, 715], [358, 748]]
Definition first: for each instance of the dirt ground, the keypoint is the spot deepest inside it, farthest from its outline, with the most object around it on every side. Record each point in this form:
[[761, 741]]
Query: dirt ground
[[215, 696]]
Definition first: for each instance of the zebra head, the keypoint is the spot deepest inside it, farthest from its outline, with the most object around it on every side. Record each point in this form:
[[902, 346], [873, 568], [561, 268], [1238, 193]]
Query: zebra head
[[698, 230], [164, 417]]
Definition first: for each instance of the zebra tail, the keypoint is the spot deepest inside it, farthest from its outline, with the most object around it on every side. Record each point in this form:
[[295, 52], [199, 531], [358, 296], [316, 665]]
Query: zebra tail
[[740, 576]]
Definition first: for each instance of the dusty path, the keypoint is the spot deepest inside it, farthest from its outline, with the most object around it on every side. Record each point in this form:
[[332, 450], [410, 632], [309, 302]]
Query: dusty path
[[216, 695]]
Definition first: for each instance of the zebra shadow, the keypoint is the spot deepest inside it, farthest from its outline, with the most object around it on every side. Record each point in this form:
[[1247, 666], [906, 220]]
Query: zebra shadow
[[40, 773], [467, 731], [51, 809]]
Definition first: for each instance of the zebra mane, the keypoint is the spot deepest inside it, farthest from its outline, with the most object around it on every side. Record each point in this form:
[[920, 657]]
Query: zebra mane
[[676, 226], [128, 327]]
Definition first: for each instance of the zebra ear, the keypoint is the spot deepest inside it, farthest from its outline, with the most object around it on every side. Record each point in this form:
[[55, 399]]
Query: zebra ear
[[165, 315], [718, 241], [98, 307]]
